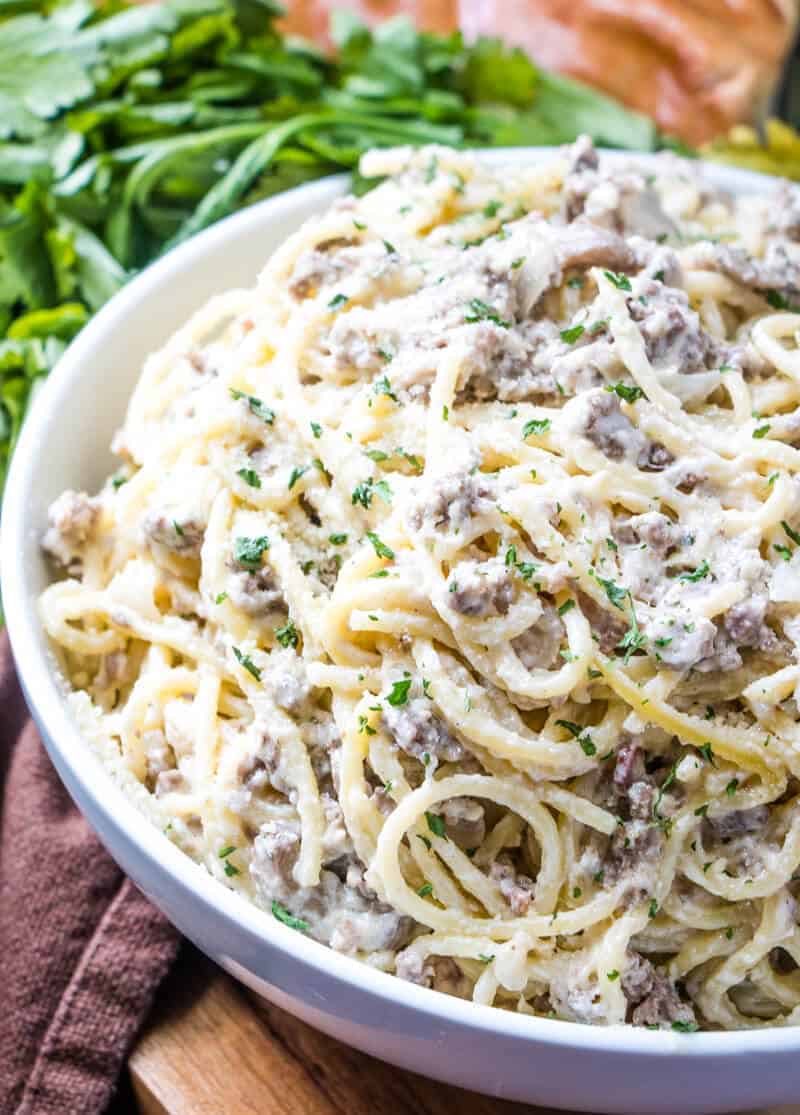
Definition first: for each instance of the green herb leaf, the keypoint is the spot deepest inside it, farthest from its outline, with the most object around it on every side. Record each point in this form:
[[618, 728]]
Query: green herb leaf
[[380, 548], [246, 662], [621, 282], [287, 634], [248, 551], [537, 426], [571, 335], [698, 574], [250, 476], [479, 311], [256, 406], [399, 693], [296, 473], [282, 914], [629, 392], [793, 534], [436, 824]]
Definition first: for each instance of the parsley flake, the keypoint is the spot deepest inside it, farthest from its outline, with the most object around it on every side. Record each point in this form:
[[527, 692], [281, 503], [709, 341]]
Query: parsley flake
[[479, 311], [282, 914], [256, 406], [399, 693], [621, 282], [436, 824], [537, 426], [287, 634], [248, 551], [247, 663], [250, 477]]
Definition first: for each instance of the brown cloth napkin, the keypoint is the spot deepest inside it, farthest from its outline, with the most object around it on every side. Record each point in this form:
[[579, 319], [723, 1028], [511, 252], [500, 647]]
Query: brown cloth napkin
[[82, 952]]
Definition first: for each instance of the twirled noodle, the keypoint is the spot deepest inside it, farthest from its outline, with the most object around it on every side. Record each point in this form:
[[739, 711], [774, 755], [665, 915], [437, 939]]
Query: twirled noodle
[[447, 601]]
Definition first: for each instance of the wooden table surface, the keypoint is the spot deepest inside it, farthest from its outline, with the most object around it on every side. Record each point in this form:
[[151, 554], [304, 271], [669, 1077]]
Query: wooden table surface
[[213, 1049]]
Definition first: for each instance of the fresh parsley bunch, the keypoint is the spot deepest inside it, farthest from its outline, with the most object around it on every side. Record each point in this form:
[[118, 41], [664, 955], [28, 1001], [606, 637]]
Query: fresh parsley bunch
[[126, 129]]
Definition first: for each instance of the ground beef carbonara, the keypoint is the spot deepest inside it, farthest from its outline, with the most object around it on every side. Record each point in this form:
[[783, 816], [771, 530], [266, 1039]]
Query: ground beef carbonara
[[446, 603]]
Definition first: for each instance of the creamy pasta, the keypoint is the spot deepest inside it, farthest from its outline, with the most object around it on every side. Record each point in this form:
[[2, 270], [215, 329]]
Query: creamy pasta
[[446, 603]]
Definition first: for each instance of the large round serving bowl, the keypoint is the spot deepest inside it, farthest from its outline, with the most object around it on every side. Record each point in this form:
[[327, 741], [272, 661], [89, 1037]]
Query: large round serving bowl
[[560, 1064]]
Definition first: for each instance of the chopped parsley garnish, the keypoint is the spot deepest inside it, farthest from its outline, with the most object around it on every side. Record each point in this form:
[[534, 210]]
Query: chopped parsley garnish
[[297, 472], [652, 909], [486, 959], [399, 693], [337, 539], [565, 607], [793, 534], [282, 914], [177, 528], [364, 727], [479, 311], [247, 663], [390, 248], [633, 639], [732, 787], [517, 263], [684, 1027], [383, 386], [425, 890], [435, 824], [287, 634], [362, 493], [118, 481], [762, 431], [492, 208], [707, 753], [380, 548], [776, 300], [662, 789], [316, 429], [621, 282], [577, 732], [697, 574], [536, 426], [615, 593], [784, 552], [223, 853], [612, 975], [376, 455], [412, 459], [230, 869], [248, 551], [337, 301], [701, 810], [576, 892], [250, 476], [220, 598], [256, 406], [576, 282], [571, 335], [630, 393]]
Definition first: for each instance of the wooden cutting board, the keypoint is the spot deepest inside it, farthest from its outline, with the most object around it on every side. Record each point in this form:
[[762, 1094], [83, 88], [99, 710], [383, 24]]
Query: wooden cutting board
[[213, 1049]]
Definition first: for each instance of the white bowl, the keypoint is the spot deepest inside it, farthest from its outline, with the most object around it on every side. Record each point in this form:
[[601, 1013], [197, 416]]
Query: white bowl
[[561, 1064]]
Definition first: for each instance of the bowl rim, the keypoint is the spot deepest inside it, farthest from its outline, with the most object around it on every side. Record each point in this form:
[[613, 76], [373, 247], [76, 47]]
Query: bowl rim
[[38, 675]]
